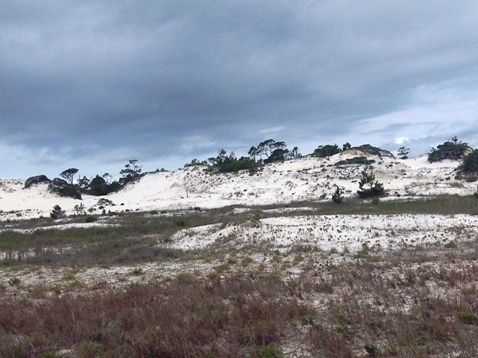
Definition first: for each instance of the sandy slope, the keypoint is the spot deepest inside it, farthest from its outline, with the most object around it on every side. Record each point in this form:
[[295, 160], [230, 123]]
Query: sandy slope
[[297, 180], [338, 232], [338, 236]]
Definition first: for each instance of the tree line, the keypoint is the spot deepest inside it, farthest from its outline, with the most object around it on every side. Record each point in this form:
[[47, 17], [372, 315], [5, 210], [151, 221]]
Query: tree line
[[266, 152], [103, 184]]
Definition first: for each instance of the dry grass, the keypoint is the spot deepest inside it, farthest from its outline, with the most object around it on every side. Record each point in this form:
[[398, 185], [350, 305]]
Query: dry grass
[[229, 317], [254, 302], [384, 305]]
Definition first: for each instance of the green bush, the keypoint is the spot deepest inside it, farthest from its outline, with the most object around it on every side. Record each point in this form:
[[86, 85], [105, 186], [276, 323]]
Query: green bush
[[337, 197], [342, 329], [179, 222], [371, 349], [324, 151], [451, 245], [237, 165], [99, 187], [36, 180], [468, 318], [369, 187], [370, 149], [269, 351], [470, 162], [355, 160], [451, 150], [403, 152], [57, 212], [14, 281], [63, 188], [307, 320]]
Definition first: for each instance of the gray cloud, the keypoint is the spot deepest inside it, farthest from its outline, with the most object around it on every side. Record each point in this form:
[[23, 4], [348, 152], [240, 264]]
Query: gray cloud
[[164, 81]]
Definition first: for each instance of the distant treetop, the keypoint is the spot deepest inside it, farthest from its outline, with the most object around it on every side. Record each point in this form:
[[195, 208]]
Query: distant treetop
[[370, 149], [324, 151], [470, 162], [453, 149]]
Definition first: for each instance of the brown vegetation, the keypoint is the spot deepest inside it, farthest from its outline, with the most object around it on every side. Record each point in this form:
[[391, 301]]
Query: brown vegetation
[[249, 302]]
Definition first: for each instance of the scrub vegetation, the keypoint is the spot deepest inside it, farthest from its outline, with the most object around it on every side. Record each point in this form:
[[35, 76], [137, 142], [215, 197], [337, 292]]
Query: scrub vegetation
[[143, 284], [225, 302]]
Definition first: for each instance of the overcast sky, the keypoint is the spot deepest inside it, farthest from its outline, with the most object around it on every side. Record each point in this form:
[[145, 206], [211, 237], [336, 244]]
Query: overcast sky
[[92, 84]]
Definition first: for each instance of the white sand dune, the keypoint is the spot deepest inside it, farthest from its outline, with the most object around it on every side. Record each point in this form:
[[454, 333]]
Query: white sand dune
[[338, 232], [297, 180]]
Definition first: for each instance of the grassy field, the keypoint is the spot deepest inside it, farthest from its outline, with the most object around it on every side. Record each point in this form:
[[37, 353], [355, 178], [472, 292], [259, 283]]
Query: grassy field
[[119, 290]]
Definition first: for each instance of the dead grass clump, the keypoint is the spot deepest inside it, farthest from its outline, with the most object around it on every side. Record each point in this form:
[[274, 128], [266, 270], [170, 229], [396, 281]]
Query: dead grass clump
[[187, 317]]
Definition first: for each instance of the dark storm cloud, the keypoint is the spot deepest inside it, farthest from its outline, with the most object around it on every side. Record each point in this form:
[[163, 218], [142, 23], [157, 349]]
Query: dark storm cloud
[[177, 78]]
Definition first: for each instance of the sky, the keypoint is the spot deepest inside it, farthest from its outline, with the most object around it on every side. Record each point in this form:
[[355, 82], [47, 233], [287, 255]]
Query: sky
[[93, 84]]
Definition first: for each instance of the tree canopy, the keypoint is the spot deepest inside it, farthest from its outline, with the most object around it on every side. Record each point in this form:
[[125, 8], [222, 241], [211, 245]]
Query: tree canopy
[[130, 172], [69, 174], [369, 187], [470, 162], [324, 151], [453, 149]]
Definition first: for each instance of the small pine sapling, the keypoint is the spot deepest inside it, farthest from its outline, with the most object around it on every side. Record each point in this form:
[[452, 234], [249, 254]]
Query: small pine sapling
[[57, 213], [369, 187], [403, 152], [337, 197]]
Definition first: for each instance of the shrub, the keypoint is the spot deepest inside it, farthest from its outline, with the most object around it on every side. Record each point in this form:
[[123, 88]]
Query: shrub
[[470, 162], [195, 162], [180, 222], [237, 165], [224, 163], [131, 172], [98, 186], [451, 150], [342, 329], [369, 149], [324, 151], [278, 155], [371, 349], [137, 271], [105, 202], [337, 197], [63, 188], [355, 160], [69, 174], [274, 151], [269, 351], [14, 281], [369, 187], [57, 212], [403, 152], [468, 318], [307, 320], [36, 180], [79, 209], [451, 245]]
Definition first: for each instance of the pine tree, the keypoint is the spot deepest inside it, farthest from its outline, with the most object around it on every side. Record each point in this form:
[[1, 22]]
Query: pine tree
[[403, 152], [57, 212], [369, 187], [337, 197]]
